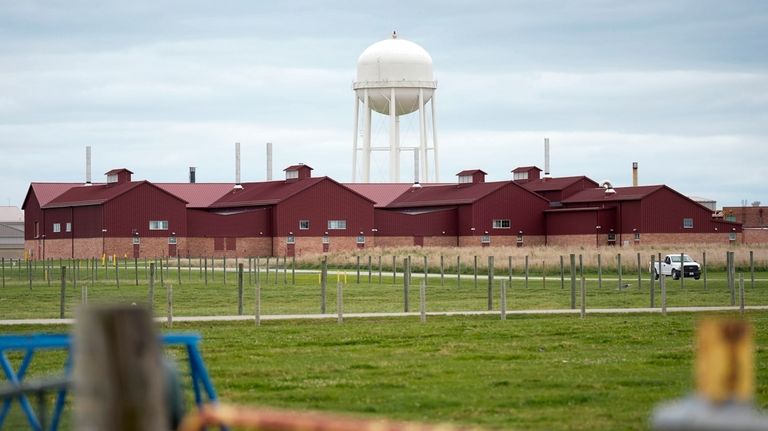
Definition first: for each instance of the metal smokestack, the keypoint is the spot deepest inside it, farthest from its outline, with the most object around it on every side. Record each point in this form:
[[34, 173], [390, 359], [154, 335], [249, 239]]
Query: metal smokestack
[[192, 174], [269, 161], [88, 165], [237, 166], [546, 158], [634, 174], [416, 166]]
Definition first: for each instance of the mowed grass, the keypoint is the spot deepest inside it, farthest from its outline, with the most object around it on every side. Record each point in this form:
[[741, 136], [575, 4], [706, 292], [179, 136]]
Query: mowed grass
[[281, 295], [529, 372]]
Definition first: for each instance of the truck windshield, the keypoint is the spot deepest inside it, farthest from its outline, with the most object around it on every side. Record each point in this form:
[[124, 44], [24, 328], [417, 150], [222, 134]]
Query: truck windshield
[[686, 258]]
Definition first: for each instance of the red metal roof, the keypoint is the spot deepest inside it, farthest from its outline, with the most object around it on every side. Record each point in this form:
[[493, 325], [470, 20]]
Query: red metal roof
[[382, 194], [46, 192], [471, 171], [553, 184], [118, 170], [297, 167], [264, 193], [622, 194], [198, 195], [526, 168], [455, 194], [96, 194]]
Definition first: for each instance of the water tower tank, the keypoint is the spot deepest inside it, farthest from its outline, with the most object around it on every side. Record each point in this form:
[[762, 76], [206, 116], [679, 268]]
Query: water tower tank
[[397, 63]]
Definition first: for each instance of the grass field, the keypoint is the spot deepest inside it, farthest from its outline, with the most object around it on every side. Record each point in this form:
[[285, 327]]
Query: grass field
[[539, 373], [280, 296]]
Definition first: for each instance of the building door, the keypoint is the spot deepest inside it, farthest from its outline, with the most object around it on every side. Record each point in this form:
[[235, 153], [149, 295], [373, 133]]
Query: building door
[[172, 250], [290, 250], [418, 241], [136, 250]]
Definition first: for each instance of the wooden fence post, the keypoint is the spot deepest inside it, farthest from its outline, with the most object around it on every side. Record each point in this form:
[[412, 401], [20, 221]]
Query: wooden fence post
[[240, 289], [490, 283], [62, 291], [340, 301], [618, 270], [370, 269], [704, 267], [293, 270], [741, 294], [752, 269], [663, 285], [178, 268], [117, 274], [653, 278], [394, 269], [526, 271], [224, 264], [562, 273], [381, 268], [169, 299], [682, 270], [151, 299], [475, 272], [458, 271], [583, 297], [162, 273], [118, 371], [258, 301], [732, 272], [358, 269], [423, 301], [442, 270], [323, 283], [573, 281], [406, 282], [426, 270], [206, 271], [503, 300], [599, 271], [639, 272], [509, 270]]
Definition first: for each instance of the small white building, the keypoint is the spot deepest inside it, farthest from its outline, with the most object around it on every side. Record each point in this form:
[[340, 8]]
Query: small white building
[[11, 232], [709, 203]]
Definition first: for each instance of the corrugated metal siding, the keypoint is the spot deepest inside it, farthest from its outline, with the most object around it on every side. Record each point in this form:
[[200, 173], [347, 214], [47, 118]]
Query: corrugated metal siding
[[87, 221], [324, 201], [578, 186], [134, 209], [580, 222], [630, 216], [664, 211], [56, 215], [252, 223], [433, 223], [524, 209], [32, 214]]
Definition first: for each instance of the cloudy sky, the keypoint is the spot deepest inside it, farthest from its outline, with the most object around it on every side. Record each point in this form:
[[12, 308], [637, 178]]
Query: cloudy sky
[[679, 86]]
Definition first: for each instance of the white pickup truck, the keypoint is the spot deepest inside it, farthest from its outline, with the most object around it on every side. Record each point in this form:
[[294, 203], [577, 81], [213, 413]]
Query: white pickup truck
[[670, 266]]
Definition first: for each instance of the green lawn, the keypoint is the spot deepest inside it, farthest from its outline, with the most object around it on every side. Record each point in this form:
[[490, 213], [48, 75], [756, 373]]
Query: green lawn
[[529, 372], [281, 296]]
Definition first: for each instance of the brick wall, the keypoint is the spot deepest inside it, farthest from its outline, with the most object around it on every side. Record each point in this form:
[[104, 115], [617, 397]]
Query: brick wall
[[244, 247], [395, 241], [441, 241], [755, 236], [685, 238], [314, 245], [502, 240]]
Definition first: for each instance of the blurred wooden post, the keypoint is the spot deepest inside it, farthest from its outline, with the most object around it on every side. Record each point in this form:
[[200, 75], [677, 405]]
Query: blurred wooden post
[[258, 301], [406, 280], [704, 267], [442, 270], [84, 294], [323, 282], [725, 368], [62, 291], [526, 271], [663, 285], [639, 272], [741, 294], [370, 269], [599, 271], [118, 371], [653, 278], [583, 297], [340, 301], [358, 269], [562, 273], [618, 269], [423, 301], [239, 289], [573, 281], [490, 283], [151, 299], [503, 300], [475, 272], [169, 299]]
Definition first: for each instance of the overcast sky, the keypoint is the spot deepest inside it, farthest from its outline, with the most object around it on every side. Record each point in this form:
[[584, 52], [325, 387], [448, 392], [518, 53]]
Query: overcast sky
[[679, 86]]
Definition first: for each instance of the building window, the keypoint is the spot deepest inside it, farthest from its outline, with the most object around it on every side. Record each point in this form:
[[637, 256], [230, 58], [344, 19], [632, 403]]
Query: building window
[[485, 239], [730, 217], [172, 240], [158, 225], [291, 175], [687, 223], [732, 236], [520, 176], [326, 239], [57, 227], [136, 240], [111, 178], [68, 227], [290, 240], [465, 179], [502, 224], [304, 224], [360, 239], [637, 236], [611, 237], [337, 224]]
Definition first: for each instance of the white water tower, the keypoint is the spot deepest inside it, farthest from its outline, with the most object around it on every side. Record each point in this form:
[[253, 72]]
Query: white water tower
[[394, 78]]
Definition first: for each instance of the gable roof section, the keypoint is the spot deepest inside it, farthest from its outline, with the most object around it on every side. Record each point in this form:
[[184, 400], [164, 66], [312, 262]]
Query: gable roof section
[[98, 194], [526, 168], [382, 194], [554, 184], [198, 195], [264, 193], [454, 194], [622, 194], [46, 192], [471, 172]]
